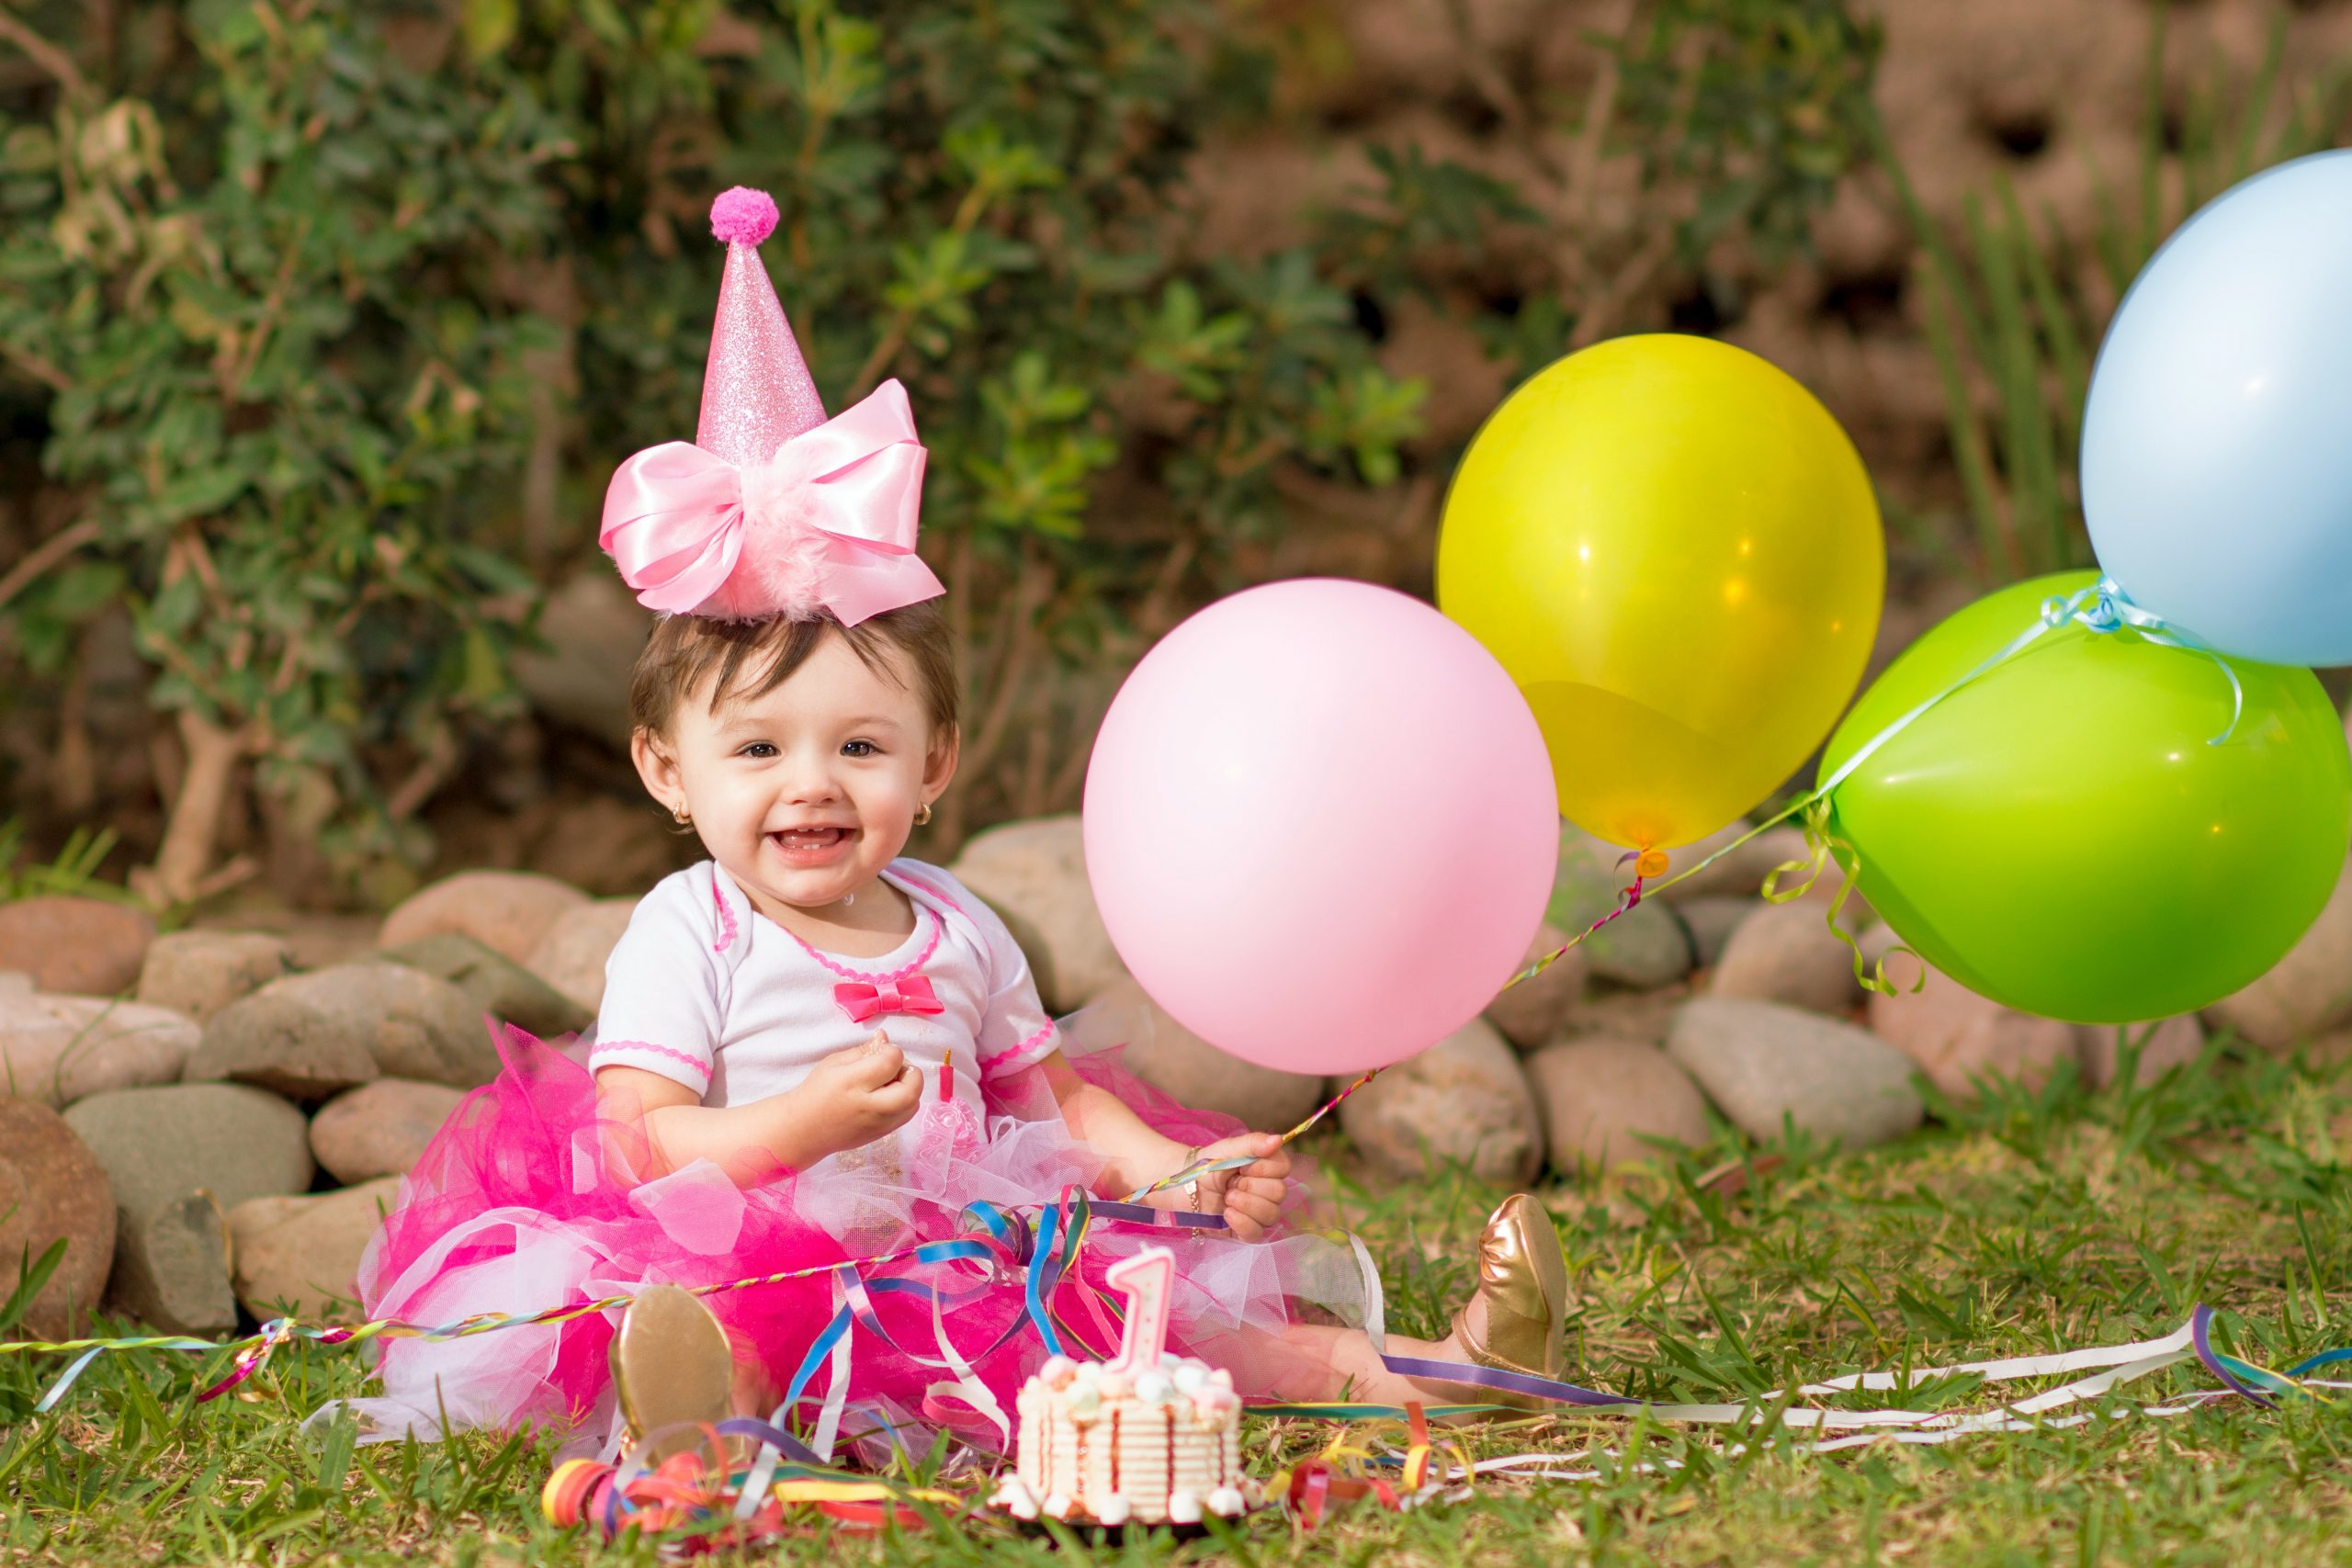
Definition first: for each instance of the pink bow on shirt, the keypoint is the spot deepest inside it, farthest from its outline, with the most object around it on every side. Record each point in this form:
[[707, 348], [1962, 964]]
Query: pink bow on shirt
[[830, 518], [862, 1000]]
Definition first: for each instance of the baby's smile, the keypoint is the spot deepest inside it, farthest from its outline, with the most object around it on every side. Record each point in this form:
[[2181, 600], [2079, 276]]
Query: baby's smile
[[814, 846]]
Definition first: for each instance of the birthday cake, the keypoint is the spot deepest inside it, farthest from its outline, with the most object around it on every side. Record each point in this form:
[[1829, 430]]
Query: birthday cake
[[1103, 1444]]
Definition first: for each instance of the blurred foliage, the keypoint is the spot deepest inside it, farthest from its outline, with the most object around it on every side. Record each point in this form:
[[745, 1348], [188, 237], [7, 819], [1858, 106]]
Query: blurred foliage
[[2015, 313], [332, 316]]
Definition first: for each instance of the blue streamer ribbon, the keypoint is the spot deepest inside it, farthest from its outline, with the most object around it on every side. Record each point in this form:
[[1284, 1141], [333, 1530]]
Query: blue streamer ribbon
[[2104, 607]]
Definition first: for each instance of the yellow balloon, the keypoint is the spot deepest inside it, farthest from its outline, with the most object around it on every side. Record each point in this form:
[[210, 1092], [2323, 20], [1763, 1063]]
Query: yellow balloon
[[1674, 549]]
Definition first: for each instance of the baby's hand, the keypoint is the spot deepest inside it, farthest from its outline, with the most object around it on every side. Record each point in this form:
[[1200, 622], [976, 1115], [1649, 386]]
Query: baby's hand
[[1251, 1196], [863, 1093]]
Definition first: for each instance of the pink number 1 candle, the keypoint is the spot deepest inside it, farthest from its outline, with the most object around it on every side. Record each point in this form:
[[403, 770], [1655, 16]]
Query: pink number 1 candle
[[1144, 1279]]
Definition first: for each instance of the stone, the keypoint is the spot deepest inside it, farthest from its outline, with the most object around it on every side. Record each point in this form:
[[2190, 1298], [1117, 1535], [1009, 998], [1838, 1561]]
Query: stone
[[508, 911], [60, 1049], [178, 1158], [1466, 1099], [1032, 874], [300, 1255], [1194, 1073], [1740, 874], [199, 973], [312, 1036], [594, 629], [1958, 1037], [2175, 1043], [1762, 1062], [52, 1187], [1786, 952], [1711, 920], [1644, 949], [380, 1128], [571, 957], [1601, 1098], [1630, 1015], [2308, 992], [1533, 1010], [495, 984], [85, 946]]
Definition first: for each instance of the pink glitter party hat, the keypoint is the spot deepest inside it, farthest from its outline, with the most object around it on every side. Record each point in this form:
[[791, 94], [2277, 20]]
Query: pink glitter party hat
[[775, 509], [756, 391]]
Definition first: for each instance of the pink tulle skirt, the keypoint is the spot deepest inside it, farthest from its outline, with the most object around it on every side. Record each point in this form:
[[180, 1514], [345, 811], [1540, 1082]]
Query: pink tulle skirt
[[529, 1198]]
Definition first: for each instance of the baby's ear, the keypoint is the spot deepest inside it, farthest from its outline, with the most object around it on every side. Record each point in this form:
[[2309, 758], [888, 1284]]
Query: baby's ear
[[939, 766], [657, 765]]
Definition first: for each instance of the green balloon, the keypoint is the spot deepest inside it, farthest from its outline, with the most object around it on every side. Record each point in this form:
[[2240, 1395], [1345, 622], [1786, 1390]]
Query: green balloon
[[2059, 835]]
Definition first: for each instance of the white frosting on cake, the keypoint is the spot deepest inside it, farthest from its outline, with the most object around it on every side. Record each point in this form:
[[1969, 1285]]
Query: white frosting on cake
[[1096, 1445]]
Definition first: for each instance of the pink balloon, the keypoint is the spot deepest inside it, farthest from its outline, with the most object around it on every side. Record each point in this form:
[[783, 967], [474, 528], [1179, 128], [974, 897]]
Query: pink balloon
[[1321, 826]]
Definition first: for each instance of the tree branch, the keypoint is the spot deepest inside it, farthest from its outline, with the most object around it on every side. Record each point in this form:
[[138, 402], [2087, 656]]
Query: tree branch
[[45, 54], [46, 554]]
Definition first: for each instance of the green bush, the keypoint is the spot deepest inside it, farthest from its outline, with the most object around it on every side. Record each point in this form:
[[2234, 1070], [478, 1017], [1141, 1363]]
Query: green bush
[[335, 317]]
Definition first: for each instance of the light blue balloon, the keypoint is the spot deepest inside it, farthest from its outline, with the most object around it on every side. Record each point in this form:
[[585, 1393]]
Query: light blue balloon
[[2217, 444]]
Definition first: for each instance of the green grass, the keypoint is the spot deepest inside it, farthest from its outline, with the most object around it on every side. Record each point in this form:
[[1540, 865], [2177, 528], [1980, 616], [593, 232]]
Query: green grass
[[2030, 1222]]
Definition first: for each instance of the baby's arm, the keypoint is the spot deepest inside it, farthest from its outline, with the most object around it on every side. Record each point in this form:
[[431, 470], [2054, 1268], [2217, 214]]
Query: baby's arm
[[851, 1098], [1135, 1156]]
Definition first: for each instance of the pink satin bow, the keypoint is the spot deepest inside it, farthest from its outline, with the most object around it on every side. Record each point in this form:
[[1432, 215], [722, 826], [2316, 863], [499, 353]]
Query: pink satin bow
[[678, 521], [862, 1000]]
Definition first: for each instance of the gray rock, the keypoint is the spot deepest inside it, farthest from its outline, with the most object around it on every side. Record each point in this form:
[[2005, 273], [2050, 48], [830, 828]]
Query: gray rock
[[62, 1049], [1602, 1097], [199, 973], [311, 1036], [1786, 952], [52, 1187], [1958, 1037], [594, 629], [1646, 1016], [1034, 876], [1740, 874], [1189, 1070], [2175, 1043], [1645, 948], [508, 911], [571, 957], [1533, 1012], [1761, 1062], [90, 947], [179, 1156], [302, 1254], [1710, 922], [2308, 993], [380, 1128], [1466, 1099], [494, 984]]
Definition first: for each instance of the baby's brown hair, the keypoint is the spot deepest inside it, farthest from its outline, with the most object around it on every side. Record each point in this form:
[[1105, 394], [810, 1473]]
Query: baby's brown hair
[[684, 650]]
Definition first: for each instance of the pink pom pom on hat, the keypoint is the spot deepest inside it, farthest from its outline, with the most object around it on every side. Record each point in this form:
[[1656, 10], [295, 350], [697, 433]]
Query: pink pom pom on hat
[[775, 509]]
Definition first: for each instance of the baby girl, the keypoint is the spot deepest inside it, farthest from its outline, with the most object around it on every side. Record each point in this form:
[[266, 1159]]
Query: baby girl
[[813, 1050]]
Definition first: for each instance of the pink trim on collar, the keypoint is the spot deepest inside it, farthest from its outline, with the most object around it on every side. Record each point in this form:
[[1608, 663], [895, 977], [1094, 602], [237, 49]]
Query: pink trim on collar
[[604, 1045], [876, 975], [937, 893], [726, 915]]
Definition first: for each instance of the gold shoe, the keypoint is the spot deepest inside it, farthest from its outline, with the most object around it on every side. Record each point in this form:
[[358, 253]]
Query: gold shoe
[[1524, 1280], [672, 1366]]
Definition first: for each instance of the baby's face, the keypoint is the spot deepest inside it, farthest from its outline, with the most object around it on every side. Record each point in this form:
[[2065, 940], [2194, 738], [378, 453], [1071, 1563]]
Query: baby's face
[[805, 794]]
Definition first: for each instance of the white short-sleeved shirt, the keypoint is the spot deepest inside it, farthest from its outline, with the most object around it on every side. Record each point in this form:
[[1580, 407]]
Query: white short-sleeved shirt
[[705, 990]]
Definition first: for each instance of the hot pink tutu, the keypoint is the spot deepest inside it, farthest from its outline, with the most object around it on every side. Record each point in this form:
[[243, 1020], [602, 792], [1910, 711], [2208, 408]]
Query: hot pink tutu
[[529, 1198]]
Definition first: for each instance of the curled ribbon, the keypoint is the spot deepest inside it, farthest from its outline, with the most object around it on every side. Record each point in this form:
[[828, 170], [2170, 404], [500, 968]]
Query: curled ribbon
[[831, 517], [1825, 849]]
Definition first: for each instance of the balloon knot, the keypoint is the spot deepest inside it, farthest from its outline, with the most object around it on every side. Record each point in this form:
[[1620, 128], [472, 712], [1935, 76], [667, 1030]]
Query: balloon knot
[[1650, 863]]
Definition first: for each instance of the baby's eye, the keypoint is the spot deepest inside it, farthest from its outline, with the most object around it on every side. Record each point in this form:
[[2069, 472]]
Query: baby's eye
[[760, 749], [858, 748]]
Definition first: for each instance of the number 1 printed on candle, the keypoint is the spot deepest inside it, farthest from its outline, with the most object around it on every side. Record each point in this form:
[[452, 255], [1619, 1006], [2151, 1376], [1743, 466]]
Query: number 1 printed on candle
[[1144, 1279]]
